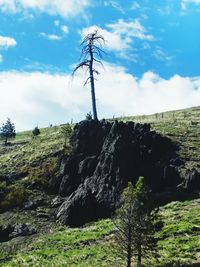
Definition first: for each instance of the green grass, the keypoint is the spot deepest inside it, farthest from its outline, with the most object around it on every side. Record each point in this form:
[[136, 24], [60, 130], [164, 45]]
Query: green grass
[[179, 240], [27, 152], [90, 246], [69, 247]]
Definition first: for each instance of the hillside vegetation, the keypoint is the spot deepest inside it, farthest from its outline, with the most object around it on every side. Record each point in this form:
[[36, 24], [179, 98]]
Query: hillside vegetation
[[25, 152], [91, 245], [28, 163]]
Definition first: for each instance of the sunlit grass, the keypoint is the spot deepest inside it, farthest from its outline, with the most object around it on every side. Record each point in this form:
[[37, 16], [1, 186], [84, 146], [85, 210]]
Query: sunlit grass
[[178, 243]]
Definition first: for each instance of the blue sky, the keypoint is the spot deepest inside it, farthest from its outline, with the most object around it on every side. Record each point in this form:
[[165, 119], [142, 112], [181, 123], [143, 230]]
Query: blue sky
[[151, 62]]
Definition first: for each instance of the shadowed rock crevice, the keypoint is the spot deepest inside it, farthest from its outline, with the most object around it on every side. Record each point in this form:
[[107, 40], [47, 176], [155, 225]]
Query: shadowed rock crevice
[[104, 158]]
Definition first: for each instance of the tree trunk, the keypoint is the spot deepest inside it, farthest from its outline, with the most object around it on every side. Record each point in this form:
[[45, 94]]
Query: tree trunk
[[129, 258], [94, 109], [6, 141], [139, 259], [129, 252]]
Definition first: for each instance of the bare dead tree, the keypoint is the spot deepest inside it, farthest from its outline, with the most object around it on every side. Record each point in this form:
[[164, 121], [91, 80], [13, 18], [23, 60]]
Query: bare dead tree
[[91, 52]]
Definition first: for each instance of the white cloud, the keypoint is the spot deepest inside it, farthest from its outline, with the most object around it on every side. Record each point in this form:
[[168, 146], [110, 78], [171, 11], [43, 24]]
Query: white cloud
[[184, 3], [43, 98], [65, 29], [51, 37], [1, 58], [161, 55], [121, 34], [115, 5], [131, 29], [113, 41], [8, 5], [62, 8], [55, 37], [135, 5], [56, 23], [6, 42]]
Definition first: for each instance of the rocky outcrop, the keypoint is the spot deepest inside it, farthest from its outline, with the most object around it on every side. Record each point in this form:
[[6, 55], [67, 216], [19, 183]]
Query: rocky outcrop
[[8, 232], [105, 156]]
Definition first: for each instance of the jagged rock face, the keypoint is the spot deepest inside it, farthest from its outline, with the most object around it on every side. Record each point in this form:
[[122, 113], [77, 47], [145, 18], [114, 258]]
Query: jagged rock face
[[105, 157]]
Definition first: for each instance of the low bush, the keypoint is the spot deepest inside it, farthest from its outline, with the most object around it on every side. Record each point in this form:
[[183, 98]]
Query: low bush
[[12, 196], [39, 176]]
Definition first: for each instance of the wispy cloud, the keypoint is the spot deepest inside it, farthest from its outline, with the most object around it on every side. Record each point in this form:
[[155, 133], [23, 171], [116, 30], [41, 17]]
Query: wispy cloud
[[64, 29], [131, 29], [6, 42], [184, 3], [61, 8], [115, 5], [56, 22], [164, 11], [45, 98], [120, 35], [135, 5], [51, 37], [161, 55], [1, 58]]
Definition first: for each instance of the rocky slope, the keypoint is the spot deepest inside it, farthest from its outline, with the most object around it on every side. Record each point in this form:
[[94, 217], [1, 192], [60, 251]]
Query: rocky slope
[[104, 157], [28, 165]]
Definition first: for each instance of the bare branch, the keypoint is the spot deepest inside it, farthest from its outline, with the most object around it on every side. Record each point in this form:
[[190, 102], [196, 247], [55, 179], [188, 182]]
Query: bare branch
[[98, 61], [87, 81], [81, 65], [96, 71]]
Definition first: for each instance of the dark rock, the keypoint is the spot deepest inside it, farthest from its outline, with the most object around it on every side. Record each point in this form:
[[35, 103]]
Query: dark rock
[[70, 179], [87, 166], [24, 229], [171, 176], [57, 201], [11, 231], [54, 183], [5, 232], [34, 203], [88, 137], [79, 208], [105, 156], [191, 180], [13, 176]]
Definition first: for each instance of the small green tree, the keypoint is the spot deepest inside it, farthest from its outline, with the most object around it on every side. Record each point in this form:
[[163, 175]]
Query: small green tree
[[66, 132], [135, 225], [88, 116], [36, 131], [7, 131]]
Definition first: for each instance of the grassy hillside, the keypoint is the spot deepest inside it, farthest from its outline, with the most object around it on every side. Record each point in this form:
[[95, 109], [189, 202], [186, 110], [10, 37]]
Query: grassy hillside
[[91, 245], [27, 164], [181, 126], [26, 151]]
